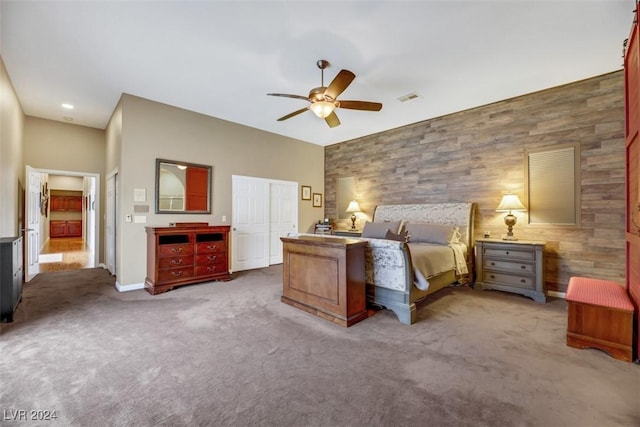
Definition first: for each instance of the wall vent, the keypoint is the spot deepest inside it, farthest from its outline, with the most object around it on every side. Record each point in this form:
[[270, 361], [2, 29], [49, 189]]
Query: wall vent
[[409, 97]]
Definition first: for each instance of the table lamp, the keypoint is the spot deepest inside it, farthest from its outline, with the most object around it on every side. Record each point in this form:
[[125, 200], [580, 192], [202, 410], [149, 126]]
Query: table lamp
[[510, 203], [353, 208]]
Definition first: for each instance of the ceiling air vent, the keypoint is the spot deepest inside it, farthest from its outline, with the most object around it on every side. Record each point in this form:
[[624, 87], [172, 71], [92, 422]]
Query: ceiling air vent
[[409, 97]]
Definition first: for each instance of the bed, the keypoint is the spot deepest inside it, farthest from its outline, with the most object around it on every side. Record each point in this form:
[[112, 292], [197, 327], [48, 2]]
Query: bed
[[399, 273]]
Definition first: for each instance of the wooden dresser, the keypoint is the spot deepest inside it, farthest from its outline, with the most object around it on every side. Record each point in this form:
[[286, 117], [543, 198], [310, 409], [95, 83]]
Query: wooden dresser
[[511, 266], [325, 276], [186, 254]]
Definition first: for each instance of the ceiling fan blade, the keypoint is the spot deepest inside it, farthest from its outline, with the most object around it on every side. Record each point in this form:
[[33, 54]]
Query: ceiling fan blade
[[361, 105], [332, 120], [339, 83], [295, 113], [286, 95]]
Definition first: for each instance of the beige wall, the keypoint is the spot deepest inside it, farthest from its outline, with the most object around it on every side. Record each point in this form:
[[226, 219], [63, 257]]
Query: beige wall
[[153, 130], [477, 154], [11, 157]]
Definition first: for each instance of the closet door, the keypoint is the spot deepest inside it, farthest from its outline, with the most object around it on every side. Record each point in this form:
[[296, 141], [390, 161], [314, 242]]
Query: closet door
[[283, 216], [250, 223], [632, 147]]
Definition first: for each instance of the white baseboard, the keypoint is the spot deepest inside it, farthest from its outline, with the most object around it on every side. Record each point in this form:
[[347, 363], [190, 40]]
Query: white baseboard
[[131, 287], [557, 294]]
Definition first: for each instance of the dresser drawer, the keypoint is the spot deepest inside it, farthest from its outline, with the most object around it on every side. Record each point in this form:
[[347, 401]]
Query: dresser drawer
[[175, 261], [177, 249], [510, 266], [211, 247], [212, 258], [216, 268], [175, 274], [510, 279], [498, 252]]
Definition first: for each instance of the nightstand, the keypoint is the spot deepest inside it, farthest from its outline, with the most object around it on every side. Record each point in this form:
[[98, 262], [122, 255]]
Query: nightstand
[[511, 265], [348, 233]]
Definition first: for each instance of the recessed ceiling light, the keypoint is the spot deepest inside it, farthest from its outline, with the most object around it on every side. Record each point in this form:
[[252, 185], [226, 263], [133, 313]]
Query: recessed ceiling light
[[67, 106]]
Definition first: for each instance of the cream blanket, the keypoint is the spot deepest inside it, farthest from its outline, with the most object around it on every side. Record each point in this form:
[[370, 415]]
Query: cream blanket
[[429, 260]]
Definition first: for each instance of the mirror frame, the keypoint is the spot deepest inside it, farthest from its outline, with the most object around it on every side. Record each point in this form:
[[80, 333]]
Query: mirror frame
[[187, 164]]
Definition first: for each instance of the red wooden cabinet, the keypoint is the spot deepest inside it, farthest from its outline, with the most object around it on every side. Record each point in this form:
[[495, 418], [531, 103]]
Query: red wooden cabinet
[[65, 228], [632, 155], [66, 203]]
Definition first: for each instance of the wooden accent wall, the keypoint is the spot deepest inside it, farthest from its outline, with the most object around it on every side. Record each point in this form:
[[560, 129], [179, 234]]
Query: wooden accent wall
[[632, 144], [475, 155]]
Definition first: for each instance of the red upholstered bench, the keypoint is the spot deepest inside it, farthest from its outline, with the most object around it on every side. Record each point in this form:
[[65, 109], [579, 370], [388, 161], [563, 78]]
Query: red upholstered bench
[[600, 315]]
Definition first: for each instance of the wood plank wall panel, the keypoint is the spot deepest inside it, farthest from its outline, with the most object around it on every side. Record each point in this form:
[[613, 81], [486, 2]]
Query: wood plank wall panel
[[475, 155]]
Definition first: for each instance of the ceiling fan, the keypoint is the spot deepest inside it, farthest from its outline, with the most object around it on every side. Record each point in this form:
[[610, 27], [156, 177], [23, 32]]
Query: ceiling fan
[[323, 100]]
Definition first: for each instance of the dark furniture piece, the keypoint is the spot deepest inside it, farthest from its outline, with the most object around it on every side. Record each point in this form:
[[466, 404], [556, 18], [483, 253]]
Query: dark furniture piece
[[11, 276], [325, 277], [185, 254]]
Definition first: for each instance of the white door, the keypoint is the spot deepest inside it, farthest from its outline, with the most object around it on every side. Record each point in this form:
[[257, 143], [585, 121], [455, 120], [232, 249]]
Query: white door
[[283, 216], [250, 223], [32, 232], [110, 224]]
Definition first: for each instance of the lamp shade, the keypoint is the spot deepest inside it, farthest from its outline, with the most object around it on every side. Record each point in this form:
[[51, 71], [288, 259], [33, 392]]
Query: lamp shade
[[509, 203], [322, 108], [353, 206]]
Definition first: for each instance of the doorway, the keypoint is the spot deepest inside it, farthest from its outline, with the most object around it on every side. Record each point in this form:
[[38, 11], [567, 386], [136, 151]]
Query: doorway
[[66, 222]]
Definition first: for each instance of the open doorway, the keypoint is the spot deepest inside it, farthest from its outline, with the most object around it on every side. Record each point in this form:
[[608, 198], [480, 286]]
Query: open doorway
[[68, 223]]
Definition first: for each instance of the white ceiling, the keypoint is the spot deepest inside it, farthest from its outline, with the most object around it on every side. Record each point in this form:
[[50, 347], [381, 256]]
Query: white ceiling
[[221, 58]]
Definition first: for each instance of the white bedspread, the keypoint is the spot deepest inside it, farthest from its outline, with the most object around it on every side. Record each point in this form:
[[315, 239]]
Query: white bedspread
[[429, 260]]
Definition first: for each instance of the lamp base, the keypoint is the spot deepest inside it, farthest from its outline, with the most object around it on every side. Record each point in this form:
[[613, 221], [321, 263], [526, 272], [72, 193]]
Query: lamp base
[[353, 222], [510, 220]]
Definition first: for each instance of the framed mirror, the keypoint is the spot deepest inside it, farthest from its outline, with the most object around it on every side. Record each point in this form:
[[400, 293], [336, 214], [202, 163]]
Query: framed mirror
[[182, 187]]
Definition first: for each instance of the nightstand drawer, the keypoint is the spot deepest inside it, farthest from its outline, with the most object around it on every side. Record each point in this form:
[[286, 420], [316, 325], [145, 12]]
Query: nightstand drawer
[[510, 279], [513, 267], [509, 253]]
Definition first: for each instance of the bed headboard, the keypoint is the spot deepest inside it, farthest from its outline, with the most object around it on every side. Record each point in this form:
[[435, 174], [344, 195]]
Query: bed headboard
[[459, 214]]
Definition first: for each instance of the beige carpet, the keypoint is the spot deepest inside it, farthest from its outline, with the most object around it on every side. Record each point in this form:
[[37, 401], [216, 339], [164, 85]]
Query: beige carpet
[[231, 354]]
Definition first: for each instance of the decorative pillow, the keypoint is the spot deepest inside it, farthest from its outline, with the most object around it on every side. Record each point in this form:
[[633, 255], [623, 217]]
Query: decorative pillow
[[432, 233], [402, 237], [378, 230]]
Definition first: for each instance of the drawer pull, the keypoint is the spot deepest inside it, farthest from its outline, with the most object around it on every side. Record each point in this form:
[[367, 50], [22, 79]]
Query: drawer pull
[[492, 276], [524, 267], [211, 247], [176, 261], [493, 263], [176, 273], [212, 257], [211, 268], [507, 252], [176, 250], [523, 281]]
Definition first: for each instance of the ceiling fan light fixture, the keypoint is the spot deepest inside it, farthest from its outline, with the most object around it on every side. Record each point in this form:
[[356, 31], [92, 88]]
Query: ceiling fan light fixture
[[322, 109]]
